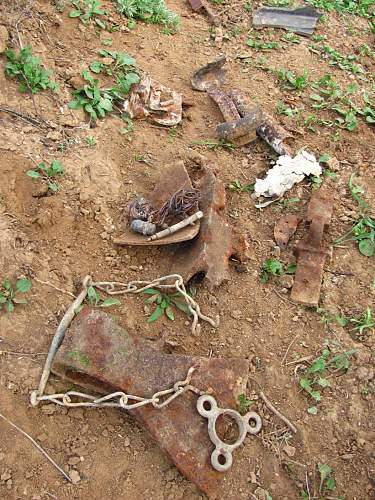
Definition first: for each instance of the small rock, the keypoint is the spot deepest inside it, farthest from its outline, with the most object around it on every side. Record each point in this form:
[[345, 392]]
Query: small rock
[[42, 437], [365, 373], [237, 314], [74, 476], [286, 281], [333, 164], [48, 409], [5, 476], [126, 442], [171, 474], [77, 82], [276, 251], [74, 460], [105, 433], [4, 35], [347, 456], [289, 450]]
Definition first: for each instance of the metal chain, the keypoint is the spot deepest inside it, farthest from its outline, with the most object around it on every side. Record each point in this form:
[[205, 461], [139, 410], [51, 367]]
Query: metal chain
[[118, 399]]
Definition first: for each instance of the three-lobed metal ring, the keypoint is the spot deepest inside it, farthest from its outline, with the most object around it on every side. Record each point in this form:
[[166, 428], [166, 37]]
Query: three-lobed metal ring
[[221, 457]]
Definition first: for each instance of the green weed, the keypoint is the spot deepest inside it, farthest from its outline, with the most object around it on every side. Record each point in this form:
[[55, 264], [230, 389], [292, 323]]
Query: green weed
[[244, 403], [273, 267], [48, 173], [261, 45], [364, 8], [291, 37], [363, 322], [9, 294], [164, 304], [346, 63], [314, 377], [88, 10], [293, 80], [284, 109], [94, 299], [91, 141], [28, 70], [363, 231], [149, 11], [221, 144], [238, 187], [327, 482]]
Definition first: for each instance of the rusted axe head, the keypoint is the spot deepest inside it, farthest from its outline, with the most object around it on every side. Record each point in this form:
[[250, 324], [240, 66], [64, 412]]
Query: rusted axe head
[[209, 76]]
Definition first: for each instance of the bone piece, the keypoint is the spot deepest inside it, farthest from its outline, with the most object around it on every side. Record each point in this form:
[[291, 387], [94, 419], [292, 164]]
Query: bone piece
[[102, 357], [309, 252]]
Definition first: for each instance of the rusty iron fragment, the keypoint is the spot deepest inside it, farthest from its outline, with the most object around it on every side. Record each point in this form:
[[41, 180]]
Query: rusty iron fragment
[[208, 254], [242, 127], [301, 20], [224, 103], [284, 229], [197, 5], [152, 99], [102, 357], [310, 252], [211, 75], [173, 179], [266, 127]]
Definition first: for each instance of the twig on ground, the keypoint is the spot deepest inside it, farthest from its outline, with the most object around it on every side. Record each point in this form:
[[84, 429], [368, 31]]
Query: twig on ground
[[284, 299], [26, 118], [300, 360], [307, 484], [16, 353], [38, 447], [339, 273], [54, 286], [289, 346], [272, 408]]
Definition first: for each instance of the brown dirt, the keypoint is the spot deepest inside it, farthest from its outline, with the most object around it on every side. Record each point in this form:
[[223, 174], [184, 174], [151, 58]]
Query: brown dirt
[[63, 237]]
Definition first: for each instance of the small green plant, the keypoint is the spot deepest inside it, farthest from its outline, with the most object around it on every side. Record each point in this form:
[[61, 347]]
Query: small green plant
[[87, 10], [222, 144], [48, 173], [364, 8], [164, 304], [363, 231], [28, 70], [279, 3], [9, 294], [273, 267], [283, 109], [345, 63], [244, 403], [363, 322], [293, 80], [327, 482], [94, 299], [148, 11], [261, 45], [314, 378], [91, 141], [238, 187], [291, 38]]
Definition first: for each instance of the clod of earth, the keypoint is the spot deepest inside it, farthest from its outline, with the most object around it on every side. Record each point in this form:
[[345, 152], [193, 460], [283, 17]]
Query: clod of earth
[[151, 99], [120, 361], [208, 254], [285, 228], [302, 20], [175, 178], [310, 252], [197, 5]]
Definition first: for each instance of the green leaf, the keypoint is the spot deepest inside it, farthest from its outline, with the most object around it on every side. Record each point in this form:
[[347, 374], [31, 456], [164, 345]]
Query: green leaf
[[56, 167], [152, 299], [111, 301], [53, 186], [92, 295], [366, 247], [324, 471], [341, 320], [313, 410], [324, 158], [151, 291], [3, 299], [323, 382], [96, 66], [7, 284], [10, 306], [305, 383], [100, 23], [291, 268], [23, 285], [33, 174], [106, 104], [316, 395], [330, 484], [158, 311], [182, 307], [75, 13], [169, 313], [75, 104]]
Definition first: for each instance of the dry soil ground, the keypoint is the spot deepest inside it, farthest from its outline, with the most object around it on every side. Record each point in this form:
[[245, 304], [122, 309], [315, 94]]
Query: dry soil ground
[[61, 238]]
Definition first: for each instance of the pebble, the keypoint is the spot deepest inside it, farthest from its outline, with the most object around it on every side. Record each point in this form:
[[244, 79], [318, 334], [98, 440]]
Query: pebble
[[42, 437], [5, 476], [74, 460], [286, 281], [365, 373], [289, 450], [126, 442], [74, 476], [171, 474], [237, 314]]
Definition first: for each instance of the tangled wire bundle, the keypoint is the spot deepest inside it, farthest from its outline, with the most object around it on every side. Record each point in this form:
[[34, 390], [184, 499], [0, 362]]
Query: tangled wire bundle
[[178, 205]]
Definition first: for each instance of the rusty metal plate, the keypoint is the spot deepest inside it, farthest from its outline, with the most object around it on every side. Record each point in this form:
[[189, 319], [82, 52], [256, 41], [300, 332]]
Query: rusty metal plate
[[209, 253], [284, 229], [209, 76], [102, 357], [175, 178], [301, 20], [310, 252]]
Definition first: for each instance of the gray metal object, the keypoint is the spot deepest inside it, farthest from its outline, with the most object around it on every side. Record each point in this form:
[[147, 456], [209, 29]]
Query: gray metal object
[[302, 20], [221, 457], [143, 227]]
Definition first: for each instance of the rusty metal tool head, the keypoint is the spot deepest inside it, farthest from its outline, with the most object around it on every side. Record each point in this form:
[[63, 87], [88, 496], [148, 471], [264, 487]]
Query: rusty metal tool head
[[197, 5], [310, 252], [101, 356], [210, 75]]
